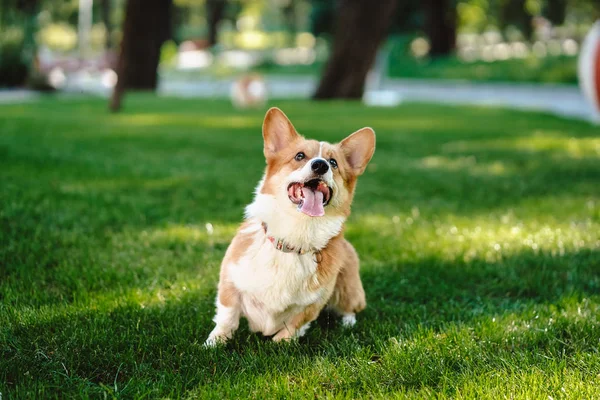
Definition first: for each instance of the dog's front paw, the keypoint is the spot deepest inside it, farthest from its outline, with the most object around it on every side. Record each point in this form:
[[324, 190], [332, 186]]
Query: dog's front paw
[[284, 335], [216, 337], [349, 320]]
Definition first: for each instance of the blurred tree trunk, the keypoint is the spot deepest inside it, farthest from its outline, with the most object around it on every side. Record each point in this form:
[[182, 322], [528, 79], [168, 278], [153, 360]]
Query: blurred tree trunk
[[514, 12], [105, 11], [440, 26], [322, 15], [146, 27], [289, 15], [215, 10], [29, 8], [19, 63], [556, 11], [360, 28]]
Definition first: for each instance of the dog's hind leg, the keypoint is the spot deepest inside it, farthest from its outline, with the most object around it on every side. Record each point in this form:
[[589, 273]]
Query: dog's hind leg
[[348, 296]]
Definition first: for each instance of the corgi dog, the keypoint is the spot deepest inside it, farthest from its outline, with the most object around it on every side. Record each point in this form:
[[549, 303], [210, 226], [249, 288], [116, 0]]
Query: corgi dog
[[289, 258]]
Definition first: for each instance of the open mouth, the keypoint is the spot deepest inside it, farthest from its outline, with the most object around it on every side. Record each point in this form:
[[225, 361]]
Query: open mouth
[[311, 196]]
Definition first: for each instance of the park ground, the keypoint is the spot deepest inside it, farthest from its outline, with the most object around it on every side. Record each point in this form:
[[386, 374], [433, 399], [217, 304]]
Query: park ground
[[547, 70], [478, 230]]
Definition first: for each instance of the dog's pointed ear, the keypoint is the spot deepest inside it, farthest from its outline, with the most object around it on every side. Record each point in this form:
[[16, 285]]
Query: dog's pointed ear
[[358, 149], [278, 132]]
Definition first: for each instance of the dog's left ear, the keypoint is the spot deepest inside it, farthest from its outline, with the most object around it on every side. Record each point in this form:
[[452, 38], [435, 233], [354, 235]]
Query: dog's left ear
[[278, 131], [358, 149]]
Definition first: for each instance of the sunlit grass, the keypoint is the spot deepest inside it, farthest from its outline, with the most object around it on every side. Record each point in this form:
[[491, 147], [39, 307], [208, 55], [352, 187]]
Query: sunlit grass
[[553, 142], [157, 120], [464, 162], [491, 237], [478, 230]]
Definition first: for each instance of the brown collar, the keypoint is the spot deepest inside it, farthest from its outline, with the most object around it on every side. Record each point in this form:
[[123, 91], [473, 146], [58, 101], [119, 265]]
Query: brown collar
[[281, 245]]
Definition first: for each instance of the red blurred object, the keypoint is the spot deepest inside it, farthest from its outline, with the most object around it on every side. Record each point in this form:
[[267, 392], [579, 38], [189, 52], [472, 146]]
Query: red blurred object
[[589, 67]]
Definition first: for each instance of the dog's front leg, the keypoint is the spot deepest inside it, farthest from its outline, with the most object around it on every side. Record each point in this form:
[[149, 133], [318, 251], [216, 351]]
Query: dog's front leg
[[298, 324], [228, 313]]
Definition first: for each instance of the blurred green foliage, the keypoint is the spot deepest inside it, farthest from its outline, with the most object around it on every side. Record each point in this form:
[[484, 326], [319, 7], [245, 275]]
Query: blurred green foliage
[[18, 24], [558, 69], [168, 53], [254, 23], [401, 64], [13, 64], [549, 69]]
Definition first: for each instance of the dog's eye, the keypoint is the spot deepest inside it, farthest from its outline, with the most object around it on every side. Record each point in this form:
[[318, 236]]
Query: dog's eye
[[300, 156], [333, 163]]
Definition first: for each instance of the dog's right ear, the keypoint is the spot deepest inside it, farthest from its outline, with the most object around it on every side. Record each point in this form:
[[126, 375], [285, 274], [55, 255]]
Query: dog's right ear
[[278, 131]]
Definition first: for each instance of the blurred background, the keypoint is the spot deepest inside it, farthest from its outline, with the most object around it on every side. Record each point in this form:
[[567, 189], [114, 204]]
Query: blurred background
[[75, 44], [301, 48]]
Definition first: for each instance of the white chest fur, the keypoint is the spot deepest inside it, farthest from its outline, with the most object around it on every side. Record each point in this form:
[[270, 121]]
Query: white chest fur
[[273, 285], [298, 230]]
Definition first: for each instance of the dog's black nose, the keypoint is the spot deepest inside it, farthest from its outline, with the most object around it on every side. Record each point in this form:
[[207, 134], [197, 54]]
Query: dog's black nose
[[319, 167]]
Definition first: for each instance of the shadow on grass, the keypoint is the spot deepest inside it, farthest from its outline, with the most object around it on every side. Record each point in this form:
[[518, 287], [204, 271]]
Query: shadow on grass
[[491, 306]]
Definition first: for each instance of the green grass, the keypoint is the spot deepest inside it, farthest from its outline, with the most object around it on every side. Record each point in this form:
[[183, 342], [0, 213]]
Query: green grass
[[478, 230], [551, 69]]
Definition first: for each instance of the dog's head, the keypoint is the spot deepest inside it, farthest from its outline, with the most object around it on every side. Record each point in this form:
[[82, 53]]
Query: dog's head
[[315, 178]]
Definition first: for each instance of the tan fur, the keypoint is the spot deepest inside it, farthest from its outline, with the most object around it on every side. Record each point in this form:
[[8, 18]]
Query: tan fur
[[330, 262], [335, 280], [309, 314], [284, 163], [227, 292], [348, 295]]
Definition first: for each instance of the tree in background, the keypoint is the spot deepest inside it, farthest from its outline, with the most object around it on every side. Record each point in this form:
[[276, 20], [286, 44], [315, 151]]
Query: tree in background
[[17, 52], [515, 12], [359, 30], [556, 11], [322, 17], [105, 10], [146, 27], [215, 11], [289, 15], [440, 26]]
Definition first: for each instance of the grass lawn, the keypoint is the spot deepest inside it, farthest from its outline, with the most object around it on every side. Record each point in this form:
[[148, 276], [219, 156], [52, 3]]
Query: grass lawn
[[551, 69], [560, 69], [478, 230]]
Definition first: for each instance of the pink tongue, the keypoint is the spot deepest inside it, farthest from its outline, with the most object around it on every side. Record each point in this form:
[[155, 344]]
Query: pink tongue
[[313, 203]]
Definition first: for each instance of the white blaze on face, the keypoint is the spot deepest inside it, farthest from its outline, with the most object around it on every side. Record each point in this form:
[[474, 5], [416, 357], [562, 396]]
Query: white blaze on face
[[306, 173], [313, 198]]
